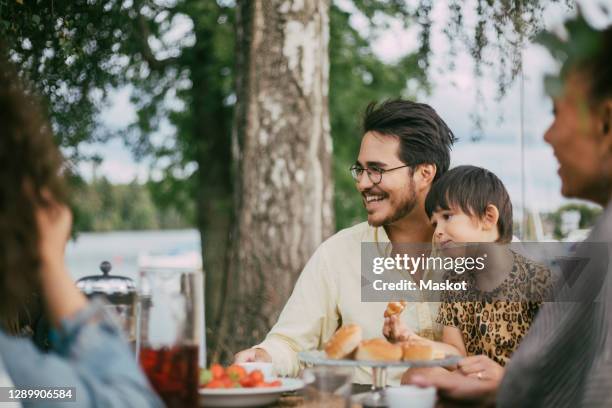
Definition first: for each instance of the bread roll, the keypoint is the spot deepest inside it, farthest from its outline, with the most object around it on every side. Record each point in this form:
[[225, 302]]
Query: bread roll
[[343, 342], [394, 308], [417, 351], [378, 350]]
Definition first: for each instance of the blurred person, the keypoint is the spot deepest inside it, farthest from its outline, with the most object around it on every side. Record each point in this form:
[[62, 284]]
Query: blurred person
[[405, 147], [566, 358], [471, 213], [88, 351]]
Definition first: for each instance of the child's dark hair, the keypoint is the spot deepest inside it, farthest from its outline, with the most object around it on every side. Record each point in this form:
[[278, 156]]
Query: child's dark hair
[[471, 189]]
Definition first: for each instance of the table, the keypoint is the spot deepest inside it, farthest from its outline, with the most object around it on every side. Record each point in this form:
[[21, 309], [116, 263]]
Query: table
[[298, 401]]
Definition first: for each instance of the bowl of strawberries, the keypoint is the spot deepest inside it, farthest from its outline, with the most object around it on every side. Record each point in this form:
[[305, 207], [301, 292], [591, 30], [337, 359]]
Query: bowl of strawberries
[[233, 386]]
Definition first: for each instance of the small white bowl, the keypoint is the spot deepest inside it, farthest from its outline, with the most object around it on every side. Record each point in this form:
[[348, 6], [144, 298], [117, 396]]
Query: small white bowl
[[267, 369], [410, 396]]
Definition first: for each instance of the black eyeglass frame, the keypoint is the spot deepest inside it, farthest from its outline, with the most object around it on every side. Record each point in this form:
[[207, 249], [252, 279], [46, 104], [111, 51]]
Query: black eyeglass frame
[[356, 168]]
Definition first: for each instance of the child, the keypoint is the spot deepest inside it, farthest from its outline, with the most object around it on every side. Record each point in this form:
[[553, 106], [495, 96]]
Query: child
[[471, 205]]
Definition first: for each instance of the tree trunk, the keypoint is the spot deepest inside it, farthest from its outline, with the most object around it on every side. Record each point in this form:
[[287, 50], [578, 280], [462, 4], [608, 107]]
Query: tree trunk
[[282, 153]]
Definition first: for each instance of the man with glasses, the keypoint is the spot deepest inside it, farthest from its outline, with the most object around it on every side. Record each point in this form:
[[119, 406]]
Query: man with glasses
[[404, 149]]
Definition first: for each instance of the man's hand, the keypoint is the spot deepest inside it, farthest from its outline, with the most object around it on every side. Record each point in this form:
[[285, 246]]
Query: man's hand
[[481, 367], [251, 355], [394, 330]]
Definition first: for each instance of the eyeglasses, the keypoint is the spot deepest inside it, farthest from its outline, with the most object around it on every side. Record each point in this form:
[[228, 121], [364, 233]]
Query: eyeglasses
[[374, 173]]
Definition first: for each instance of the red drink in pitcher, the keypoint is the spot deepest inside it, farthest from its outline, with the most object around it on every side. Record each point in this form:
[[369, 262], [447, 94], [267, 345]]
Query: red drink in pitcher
[[171, 319], [173, 373]]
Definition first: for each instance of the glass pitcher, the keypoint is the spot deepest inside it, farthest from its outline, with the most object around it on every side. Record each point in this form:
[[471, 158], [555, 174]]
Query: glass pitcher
[[171, 332]]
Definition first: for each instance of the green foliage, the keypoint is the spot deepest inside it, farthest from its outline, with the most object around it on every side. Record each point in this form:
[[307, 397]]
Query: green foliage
[[502, 29], [495, 40], [67, 52], [102, 206], [588, 217], [186, 83], [74, 52], [579, 44], [357, 77]]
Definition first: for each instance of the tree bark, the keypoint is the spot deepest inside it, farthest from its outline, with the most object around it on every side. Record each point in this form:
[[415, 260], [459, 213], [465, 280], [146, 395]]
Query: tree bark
[[282, 153]]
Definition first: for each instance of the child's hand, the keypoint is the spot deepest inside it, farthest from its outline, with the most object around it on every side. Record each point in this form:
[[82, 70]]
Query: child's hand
[[395, 331]]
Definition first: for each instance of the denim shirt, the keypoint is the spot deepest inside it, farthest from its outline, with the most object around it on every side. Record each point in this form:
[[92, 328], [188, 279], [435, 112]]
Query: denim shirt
[[5, 381], [88, 353]]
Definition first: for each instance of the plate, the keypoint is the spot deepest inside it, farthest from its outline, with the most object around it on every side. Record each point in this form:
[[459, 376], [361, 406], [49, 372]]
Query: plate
[[247, 397]]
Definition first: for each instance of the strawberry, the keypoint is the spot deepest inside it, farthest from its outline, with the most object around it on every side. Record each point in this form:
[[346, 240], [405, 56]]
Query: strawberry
[[247, 382], [215, 384], [217, 371], [257, 376], [236, 372]]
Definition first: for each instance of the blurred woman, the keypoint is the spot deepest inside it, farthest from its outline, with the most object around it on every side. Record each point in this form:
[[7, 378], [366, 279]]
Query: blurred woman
[[88, 351], [566, 358]]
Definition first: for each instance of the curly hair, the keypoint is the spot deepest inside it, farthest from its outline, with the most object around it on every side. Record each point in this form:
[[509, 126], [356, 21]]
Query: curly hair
[[30, 163], [583, 49], [596, 63]]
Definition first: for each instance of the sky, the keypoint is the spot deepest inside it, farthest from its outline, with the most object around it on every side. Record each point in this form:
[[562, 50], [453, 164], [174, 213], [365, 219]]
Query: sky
[[453, 96]]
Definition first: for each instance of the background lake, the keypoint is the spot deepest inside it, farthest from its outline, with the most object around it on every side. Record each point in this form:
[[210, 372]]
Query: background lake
[[122, 248]]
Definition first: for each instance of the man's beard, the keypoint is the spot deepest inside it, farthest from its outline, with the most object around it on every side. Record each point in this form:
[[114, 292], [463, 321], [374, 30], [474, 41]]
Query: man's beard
[[406, 205]]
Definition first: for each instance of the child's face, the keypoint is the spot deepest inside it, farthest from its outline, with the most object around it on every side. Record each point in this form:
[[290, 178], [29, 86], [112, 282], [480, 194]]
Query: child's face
[[454, 226]]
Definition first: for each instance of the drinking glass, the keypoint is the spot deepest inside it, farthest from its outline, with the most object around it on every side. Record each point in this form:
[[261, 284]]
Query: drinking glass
[[170, 332], [327, 386]]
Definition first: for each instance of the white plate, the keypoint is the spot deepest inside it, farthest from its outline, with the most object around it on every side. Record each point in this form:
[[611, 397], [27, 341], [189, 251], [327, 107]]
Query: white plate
[[247, 397]]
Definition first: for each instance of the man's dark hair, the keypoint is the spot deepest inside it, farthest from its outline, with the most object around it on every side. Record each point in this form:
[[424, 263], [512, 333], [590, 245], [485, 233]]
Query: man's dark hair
[[423, 135], [471, 189]]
